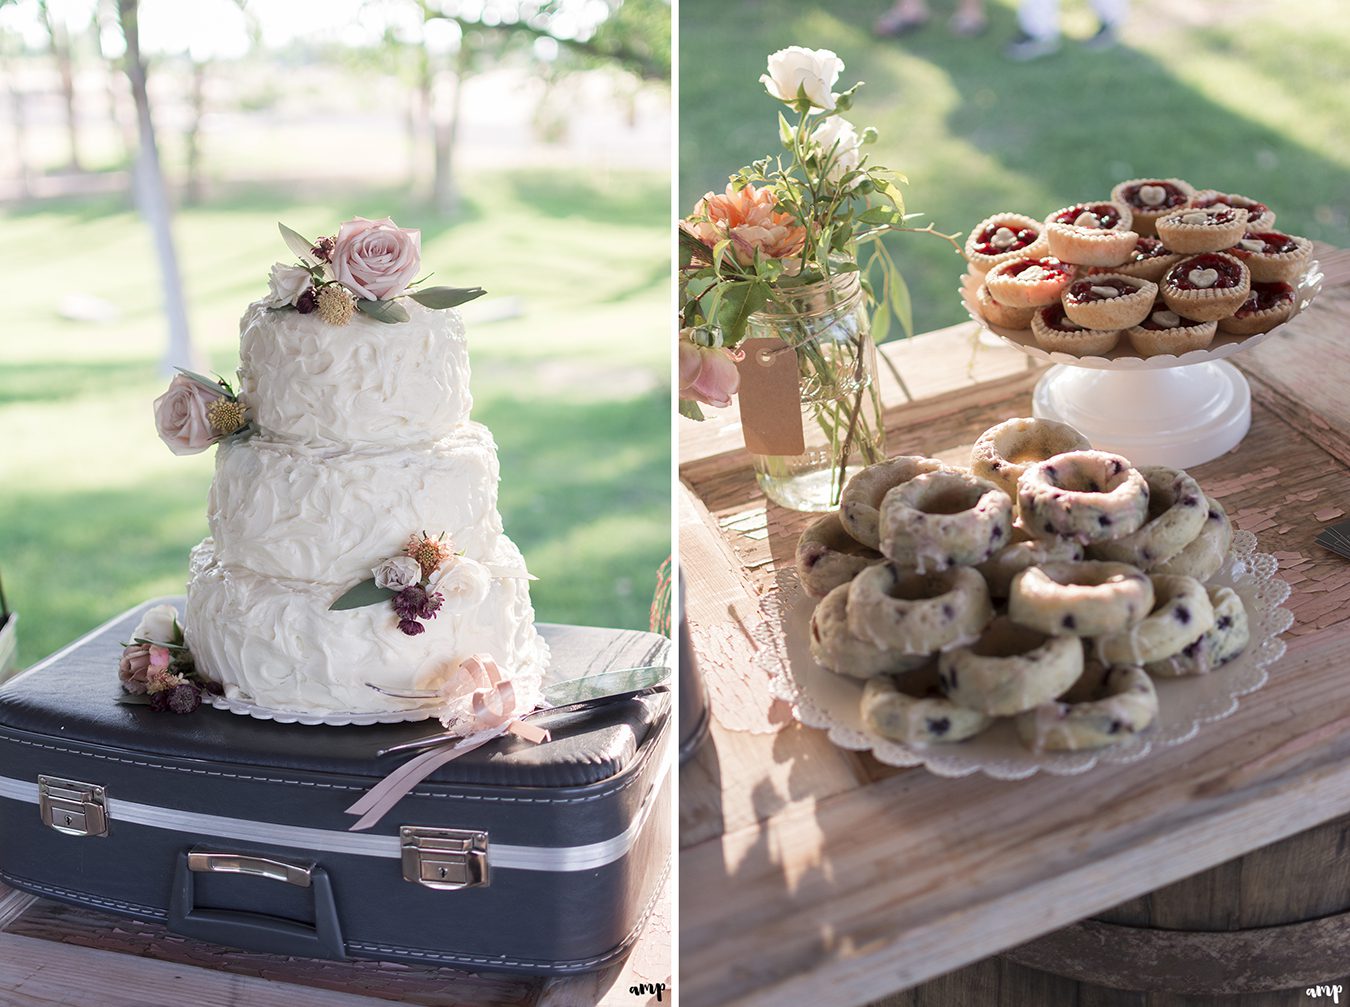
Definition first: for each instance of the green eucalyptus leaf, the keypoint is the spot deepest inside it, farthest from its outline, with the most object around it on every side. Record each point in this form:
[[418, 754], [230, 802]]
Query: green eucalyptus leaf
[[365, 593], [691, 410], [219, 387], [901, 303], [881, 323], [383, 311], [446, 297], [296, 242]]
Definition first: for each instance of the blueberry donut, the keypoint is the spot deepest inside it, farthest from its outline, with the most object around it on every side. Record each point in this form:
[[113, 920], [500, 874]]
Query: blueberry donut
[[1088, 496], [1010, 668], [1176, 513], [1222, 642], [918, 613], [1003, 452], [1207, 553], [1181, 614], [914, 710], [837, 649], [1105, 707], [1080, 599], [944, 519], [861, 500], [828, 556], [1000, 569]]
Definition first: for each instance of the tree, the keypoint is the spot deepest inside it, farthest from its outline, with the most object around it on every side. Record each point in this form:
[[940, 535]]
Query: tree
[[151, 195], [10, 46], [58, 36]]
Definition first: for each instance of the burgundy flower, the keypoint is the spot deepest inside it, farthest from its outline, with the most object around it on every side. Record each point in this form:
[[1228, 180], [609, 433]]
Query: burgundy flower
[[411, 627], [323, 249], [409, 602], [307, 302], [431, 606], [184, 698]]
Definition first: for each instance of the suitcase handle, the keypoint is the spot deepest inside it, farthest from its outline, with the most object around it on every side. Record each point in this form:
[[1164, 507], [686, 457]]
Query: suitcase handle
[[256, 931]]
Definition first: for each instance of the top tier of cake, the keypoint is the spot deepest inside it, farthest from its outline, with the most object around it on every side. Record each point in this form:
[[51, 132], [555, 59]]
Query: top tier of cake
[[364, 383]]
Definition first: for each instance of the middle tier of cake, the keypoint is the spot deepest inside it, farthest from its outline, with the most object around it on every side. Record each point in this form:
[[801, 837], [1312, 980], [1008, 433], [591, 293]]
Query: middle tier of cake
[[329, 516]]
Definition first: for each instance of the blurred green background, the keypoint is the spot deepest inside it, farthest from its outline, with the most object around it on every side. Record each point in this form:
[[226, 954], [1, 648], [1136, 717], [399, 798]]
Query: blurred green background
[[556, 199], [1229, 94]]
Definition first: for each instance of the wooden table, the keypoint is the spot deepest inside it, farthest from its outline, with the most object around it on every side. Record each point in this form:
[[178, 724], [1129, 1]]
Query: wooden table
[[810, 874]]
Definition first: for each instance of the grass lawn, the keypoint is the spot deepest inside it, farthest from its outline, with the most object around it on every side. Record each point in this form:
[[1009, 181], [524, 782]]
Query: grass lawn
[[1243, 96], [96, 514]]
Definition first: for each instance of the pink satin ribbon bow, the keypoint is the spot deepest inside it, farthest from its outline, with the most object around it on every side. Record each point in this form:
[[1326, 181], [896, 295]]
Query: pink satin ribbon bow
[[493, 702]]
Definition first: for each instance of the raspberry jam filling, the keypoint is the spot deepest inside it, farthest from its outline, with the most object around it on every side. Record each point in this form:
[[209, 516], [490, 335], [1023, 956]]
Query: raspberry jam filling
[[1099, 290], [1161, 317], [1205, 272], [1253, 208], [999, 238], [1148, 248], [1206, 218], [1155, 195], [1054, 318], [1267, 242], [1105, 215], [1265, 296], [1045, 269]]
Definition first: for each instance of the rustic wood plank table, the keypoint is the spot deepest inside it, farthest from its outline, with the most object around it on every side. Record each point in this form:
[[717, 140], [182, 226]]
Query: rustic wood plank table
[[810, 874]]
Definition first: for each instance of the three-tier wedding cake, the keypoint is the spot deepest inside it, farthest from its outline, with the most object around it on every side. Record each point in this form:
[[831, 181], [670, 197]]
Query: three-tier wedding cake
[[356, 549]]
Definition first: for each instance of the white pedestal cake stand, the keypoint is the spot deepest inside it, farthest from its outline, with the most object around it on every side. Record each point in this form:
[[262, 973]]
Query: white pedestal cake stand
[[1165, 410]]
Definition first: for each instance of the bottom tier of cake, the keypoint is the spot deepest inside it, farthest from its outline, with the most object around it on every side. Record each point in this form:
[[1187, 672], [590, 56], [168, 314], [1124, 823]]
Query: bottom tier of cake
[[275, 644]]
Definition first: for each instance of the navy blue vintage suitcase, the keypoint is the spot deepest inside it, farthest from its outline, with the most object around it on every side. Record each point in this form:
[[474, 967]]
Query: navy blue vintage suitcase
[[542, 859]]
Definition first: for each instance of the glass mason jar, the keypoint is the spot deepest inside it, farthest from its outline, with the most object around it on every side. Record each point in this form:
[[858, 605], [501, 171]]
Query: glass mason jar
[[827, 325]]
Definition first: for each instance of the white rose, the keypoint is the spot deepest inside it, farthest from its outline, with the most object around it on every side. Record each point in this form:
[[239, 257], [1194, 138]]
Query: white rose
[[840, 142], [285, 284], [464, 584], [157, 625], [795, 71], [397, 573]]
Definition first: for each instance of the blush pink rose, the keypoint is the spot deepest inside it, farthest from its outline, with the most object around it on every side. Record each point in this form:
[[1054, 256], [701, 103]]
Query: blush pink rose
[[180, 416], [375, 259], [134, 668], [707, 374]]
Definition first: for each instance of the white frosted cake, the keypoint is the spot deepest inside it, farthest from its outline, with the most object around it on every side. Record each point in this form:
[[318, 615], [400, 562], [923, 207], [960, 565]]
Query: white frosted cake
[[356, 467]]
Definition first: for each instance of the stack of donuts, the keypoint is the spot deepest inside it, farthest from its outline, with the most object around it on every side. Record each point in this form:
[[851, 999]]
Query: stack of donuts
[[1047, 582], [1158, 265]]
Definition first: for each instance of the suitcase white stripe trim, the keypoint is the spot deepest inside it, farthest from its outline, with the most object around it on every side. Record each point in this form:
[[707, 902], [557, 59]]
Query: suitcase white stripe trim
[[501, 855]]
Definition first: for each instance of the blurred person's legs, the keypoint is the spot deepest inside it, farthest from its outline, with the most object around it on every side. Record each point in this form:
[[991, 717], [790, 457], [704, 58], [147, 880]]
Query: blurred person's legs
[[969, 19], [1111, 14], [903, 16], [1038, 27]]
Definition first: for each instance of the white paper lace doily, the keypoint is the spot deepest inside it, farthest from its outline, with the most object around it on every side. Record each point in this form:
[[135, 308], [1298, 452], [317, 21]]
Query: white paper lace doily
[[822, 699]]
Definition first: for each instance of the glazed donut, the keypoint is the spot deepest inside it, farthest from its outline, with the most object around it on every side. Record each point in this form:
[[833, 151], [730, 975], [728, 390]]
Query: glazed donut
[[1000, 569], [1207, 553], [1222, 642], [1103, 708], [915, 712], [861, 500], [1003, 452], [918, 613], [835, 648], [1010, 668], [1176, 513], [1181, 614], [1080, 599], [944, 519], [828, 556], [1089, 496]]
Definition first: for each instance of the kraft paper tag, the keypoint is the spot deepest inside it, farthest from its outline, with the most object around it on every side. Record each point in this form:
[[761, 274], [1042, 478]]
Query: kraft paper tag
[[770, 397]]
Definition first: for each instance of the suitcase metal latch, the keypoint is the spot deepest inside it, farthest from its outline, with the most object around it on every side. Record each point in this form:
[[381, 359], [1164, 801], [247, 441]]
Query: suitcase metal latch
[[447, 859], [77, 809]]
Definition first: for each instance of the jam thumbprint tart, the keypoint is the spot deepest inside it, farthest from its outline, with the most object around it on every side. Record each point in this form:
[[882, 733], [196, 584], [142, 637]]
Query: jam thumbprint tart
[[1112, 301], [1208, 230], [1273, 257], [1150, 198], [1002, 237], [1266, 306], [1206, 287], [1091, 234], [1054, 332], [1149, 260], [1028, 283], [1259, 216], [1000, 314], [1164, 331]]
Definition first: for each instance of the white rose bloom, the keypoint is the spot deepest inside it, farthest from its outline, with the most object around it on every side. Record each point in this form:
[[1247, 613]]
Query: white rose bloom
[[285, 284], [838, 135], [464, 584], [397, 573], [795, 71], [157, 625]]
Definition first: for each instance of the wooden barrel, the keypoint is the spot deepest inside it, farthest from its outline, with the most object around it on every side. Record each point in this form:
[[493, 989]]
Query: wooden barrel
[[1257, 931]]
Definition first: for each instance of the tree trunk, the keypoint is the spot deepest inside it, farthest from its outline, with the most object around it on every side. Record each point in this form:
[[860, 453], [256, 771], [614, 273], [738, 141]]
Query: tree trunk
[[193, 189], [445, 131], [152, 197], [60, 48], [19, 127], [106, 17]]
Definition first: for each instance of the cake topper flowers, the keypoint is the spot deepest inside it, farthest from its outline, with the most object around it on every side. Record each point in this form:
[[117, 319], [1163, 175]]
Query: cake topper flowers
[[197, 412], [367, 266]]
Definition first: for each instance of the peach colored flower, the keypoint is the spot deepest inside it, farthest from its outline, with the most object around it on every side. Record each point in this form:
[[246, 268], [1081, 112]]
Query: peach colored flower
[[181, 416], [376, 259], [707, 374], [751, 219]]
